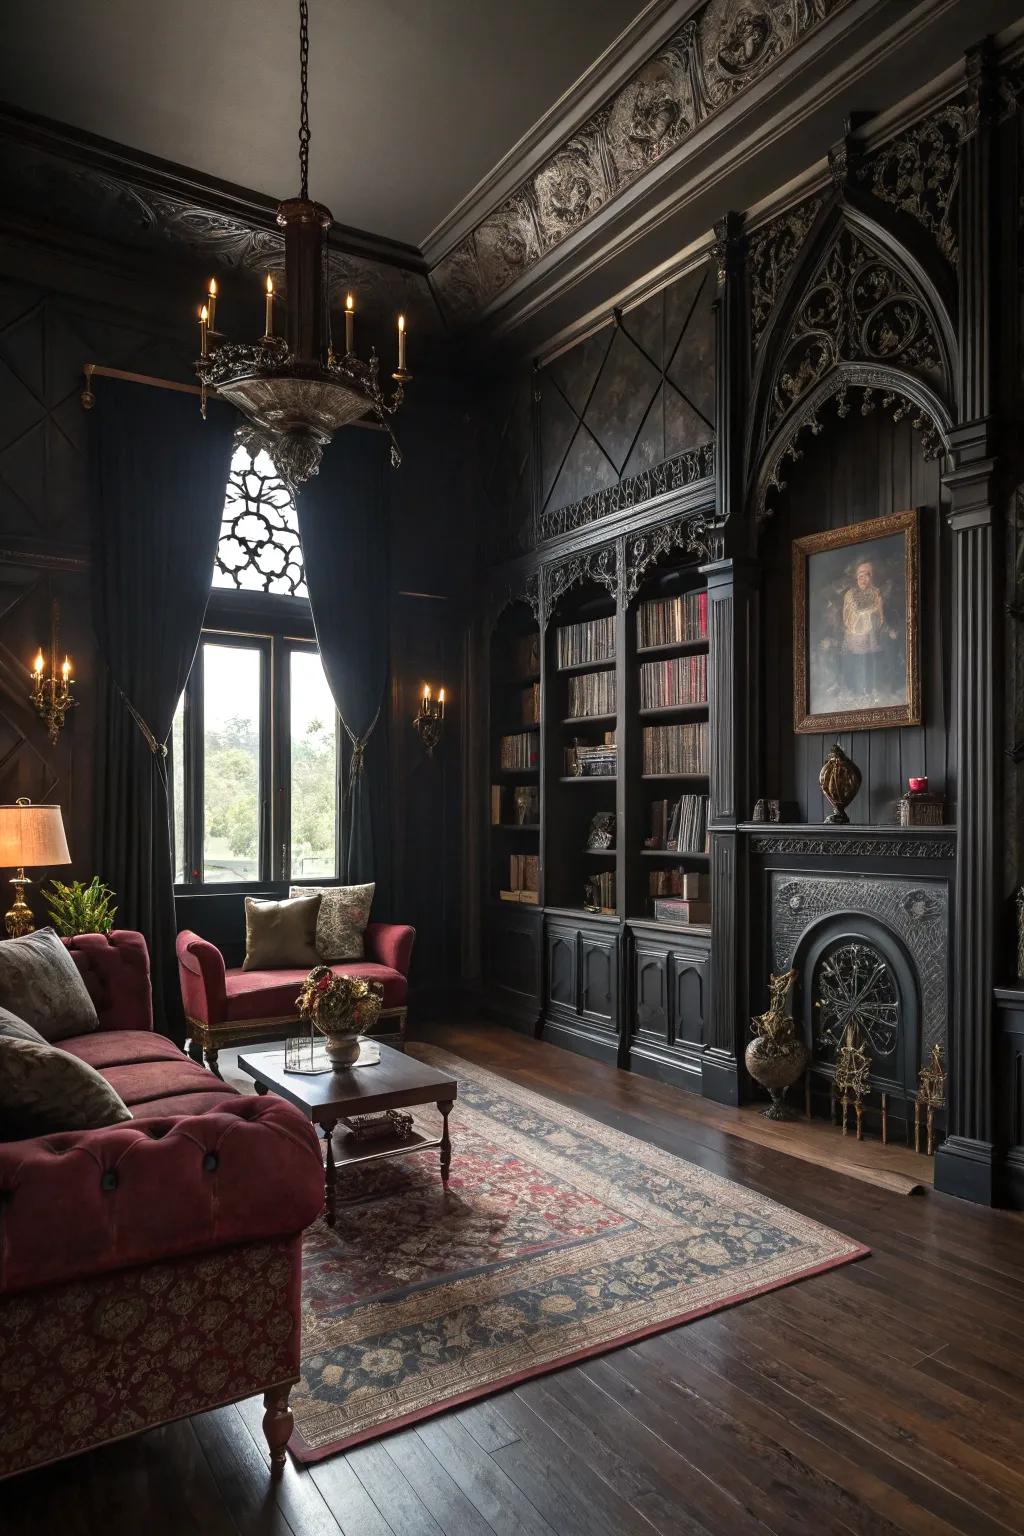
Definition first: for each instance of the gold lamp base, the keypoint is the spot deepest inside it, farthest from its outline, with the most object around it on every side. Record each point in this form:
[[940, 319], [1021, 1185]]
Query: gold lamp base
[[18, 921]]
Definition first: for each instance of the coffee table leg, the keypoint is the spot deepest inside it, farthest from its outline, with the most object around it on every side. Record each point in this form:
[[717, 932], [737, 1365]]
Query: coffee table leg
[[329, 1172], [261, 1089], [446, 1143]]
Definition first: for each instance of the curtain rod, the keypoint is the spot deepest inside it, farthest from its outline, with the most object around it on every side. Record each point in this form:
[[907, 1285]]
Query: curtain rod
[[90, 370]]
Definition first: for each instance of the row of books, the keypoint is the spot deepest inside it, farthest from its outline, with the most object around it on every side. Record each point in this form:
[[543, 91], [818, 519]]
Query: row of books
[[529, 705], [677, 748], [680, 882], [522, 751], [532, 898], [599, 892], [673, 620], [583, 760], [679, 826], [517, 805], [678, 680], [592, 693], [524, 872], [593, 640]]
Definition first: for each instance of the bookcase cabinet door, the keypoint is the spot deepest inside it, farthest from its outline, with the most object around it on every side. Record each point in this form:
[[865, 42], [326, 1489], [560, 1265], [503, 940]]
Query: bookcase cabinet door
[[562, 968], [650, 980], [598, 982], [689, 988], [667, 1001]]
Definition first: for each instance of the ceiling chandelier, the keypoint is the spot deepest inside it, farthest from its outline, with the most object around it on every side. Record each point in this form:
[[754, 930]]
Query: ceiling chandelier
[[295, 389]]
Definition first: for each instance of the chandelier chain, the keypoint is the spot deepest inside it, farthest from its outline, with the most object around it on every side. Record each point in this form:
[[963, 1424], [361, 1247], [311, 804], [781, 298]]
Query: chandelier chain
[[304, 98]]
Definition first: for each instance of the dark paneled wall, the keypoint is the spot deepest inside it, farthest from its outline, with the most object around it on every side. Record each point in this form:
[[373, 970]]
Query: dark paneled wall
[[860, 468]]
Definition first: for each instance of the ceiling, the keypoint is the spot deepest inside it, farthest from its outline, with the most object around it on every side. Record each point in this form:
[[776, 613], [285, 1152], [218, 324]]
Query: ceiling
[[412, 102]]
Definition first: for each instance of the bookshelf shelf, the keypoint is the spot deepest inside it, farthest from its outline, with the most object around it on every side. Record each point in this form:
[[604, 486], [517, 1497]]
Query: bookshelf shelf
[[671, 853], [515, 826], [685, 778], [588, 778], [575, 667], [666, 711], [577, 721]]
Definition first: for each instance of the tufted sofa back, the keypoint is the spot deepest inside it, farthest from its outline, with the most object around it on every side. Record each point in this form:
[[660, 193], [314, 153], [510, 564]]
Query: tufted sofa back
[[115, 969]]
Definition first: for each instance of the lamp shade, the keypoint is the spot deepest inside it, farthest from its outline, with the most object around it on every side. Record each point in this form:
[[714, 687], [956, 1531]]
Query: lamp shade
[[32, 836]]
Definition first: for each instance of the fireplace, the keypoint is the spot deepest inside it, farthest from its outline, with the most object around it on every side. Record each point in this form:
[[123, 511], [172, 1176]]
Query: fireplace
[[871, 949]]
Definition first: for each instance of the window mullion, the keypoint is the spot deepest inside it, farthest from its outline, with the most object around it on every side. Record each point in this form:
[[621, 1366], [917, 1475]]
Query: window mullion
[[192, 775]]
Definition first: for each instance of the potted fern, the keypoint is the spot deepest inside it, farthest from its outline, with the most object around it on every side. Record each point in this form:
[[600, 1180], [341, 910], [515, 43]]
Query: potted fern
[[80, 908]]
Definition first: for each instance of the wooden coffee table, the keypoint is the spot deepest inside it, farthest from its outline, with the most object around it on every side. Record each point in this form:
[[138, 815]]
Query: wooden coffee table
[[396, 1082]]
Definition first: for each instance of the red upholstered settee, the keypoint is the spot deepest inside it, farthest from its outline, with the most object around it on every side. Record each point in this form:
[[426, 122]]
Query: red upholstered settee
[[151, 1269], [227, 1006]]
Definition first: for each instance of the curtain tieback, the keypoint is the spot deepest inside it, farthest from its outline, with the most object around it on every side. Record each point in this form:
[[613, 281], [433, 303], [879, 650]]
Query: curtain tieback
[[357, 766], [158, 748]]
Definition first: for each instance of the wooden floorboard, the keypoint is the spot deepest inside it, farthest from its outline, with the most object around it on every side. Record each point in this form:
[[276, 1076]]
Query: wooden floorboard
[[882, 1399]]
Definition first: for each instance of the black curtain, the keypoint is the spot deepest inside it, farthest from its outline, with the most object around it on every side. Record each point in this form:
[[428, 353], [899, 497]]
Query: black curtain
[[159, 474], [344, 530]]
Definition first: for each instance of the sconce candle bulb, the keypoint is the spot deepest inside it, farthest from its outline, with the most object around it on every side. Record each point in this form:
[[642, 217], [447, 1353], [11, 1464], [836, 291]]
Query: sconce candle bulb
[[429, 719]]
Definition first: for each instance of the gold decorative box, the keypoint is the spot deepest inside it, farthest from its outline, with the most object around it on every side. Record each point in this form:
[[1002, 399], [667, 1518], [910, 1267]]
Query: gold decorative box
[[922, 810]]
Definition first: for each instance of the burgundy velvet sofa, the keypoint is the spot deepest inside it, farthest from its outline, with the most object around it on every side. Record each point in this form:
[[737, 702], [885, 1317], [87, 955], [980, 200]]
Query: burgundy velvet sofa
[[151, 1269], [226, 1006]]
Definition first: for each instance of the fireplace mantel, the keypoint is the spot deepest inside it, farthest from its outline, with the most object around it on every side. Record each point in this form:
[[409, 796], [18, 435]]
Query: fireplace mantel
[[854, 841]]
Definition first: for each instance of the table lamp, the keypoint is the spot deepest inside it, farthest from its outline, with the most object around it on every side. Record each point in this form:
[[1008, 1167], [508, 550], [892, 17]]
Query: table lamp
[[30, 835]]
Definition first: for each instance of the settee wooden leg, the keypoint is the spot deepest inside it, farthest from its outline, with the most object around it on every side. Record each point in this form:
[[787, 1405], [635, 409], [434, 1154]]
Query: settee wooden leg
[[195, 1050], [278, 1423], [211, 1061]]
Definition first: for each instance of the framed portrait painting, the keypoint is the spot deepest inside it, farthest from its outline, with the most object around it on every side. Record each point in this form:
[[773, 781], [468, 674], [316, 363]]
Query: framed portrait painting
[[855, 626]]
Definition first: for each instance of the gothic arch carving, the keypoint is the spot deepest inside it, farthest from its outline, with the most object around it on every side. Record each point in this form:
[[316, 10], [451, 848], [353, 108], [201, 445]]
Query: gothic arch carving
[[857, 312]]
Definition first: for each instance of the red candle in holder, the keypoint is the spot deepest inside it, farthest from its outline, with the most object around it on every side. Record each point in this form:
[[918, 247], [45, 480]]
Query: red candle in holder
[[918, 786]]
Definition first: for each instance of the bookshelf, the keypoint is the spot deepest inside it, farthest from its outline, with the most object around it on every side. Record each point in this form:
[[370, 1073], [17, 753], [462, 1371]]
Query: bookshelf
[[581, 681], [668, 746], [513, 875]]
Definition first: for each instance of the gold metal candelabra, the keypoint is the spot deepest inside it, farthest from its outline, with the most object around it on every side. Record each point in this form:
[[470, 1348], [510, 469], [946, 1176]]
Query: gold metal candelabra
[[51, 694]]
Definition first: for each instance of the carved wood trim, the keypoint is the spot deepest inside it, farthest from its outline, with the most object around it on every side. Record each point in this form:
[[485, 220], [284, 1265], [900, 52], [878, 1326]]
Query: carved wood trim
[[597, 565], [671, 475], [694, 533]]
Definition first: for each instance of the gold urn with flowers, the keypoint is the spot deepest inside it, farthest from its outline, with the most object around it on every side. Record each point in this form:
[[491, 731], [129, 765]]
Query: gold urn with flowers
[[342, 1008]]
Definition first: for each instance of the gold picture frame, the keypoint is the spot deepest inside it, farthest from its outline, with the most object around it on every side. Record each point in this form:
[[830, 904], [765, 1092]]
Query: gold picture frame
[[856, 626]]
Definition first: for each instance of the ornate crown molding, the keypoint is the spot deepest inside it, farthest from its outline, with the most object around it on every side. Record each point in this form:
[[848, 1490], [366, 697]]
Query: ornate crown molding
[[711, 60], [598, 565], [671, 475], [811, 843], [918, 172], [773, 251], [694, 533]]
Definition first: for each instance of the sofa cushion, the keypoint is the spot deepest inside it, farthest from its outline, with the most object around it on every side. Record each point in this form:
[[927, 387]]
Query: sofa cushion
[[118, 1047], [144, 1082], [40, 983], [44, 1089], [280, 932], [342, 919], [272, 994]]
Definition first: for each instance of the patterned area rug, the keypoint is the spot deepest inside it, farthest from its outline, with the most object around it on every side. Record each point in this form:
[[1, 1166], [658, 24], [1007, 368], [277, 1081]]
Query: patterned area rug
[[559, 1238]]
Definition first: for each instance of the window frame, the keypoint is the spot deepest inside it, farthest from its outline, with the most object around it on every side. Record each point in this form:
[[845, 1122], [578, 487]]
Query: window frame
[[276, 625]]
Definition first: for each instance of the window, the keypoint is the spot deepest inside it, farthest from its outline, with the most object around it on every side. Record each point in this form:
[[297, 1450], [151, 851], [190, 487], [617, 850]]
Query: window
[[255, 746]]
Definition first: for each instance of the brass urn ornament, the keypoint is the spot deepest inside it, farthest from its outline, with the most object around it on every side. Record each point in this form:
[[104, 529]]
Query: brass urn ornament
[[840, 780], [776, 1057]]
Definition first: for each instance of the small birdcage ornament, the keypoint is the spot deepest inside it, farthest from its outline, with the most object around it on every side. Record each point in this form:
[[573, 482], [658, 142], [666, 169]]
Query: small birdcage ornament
[[931, 1095]]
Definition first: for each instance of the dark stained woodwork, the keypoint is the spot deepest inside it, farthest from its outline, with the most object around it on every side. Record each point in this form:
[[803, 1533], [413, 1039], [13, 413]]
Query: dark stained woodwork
[[883, 1398]]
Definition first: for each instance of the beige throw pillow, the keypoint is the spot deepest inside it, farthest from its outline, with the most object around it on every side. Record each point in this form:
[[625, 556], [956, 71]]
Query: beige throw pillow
[[344, 914], [44, 1089], [280, 935], [40, 983]]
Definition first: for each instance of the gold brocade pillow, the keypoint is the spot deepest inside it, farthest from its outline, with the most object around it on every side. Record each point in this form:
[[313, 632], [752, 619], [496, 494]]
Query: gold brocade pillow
[[44, 1089], [280, 935], [344, 914]]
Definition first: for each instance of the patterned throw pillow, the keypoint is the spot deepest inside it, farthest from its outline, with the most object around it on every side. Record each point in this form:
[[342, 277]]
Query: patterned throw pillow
[[44, 1089], [41, 984], [344, 914], [280, 935]]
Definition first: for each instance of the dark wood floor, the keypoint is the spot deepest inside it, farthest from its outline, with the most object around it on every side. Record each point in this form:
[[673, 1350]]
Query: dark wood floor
[[887, 1396]]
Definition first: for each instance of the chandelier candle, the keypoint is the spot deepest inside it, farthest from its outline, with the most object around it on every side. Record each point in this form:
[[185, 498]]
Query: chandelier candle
[[268, 325], [212, 308], [203, 348], [350, 318], [401, 344]]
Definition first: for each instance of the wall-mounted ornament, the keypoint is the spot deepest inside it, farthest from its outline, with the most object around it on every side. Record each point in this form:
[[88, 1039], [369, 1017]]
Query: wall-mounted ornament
[[840, 780], [776, 1056], [428, 720], [52, 694]]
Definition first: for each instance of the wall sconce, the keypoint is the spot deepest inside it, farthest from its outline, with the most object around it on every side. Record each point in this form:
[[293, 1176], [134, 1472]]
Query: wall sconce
[[429, 719], [52, 695]]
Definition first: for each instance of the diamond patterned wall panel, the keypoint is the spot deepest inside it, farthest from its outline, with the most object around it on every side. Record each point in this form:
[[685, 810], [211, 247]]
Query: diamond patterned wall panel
[[631, 396]]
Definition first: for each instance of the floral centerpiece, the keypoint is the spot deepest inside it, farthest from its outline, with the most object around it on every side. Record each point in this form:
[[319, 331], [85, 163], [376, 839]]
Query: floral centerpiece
[[341, 1008]]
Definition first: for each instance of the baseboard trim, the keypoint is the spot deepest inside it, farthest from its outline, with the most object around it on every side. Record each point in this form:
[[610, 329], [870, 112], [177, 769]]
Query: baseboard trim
[[967, 1169], [581, 1041], [720, 1076]]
